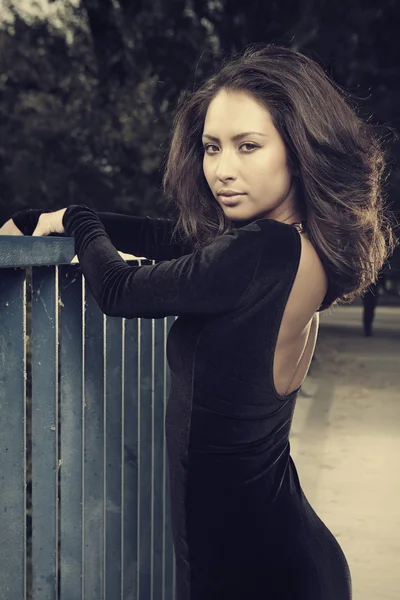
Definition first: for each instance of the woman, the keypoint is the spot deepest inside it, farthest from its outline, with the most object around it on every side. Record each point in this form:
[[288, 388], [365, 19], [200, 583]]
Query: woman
[[276, 183]]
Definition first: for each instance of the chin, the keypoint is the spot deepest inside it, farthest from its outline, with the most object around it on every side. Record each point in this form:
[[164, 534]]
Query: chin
[[245, 216], [241, 221]]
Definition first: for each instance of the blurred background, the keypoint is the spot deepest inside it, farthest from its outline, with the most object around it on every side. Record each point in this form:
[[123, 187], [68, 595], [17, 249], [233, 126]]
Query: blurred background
[[88, 89]]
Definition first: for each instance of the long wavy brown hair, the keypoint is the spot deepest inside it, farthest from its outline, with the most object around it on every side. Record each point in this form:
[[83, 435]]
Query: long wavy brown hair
[[336, 156]]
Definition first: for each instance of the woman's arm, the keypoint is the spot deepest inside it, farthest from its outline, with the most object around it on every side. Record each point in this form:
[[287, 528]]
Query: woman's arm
[[139, 236], [143, 236], [216, 279]]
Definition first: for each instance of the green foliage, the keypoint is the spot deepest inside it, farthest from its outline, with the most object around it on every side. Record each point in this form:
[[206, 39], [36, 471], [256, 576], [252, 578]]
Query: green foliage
[[86, 109]]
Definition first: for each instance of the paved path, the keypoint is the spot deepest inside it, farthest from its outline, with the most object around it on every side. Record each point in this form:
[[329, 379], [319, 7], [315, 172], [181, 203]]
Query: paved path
[[345, 442]]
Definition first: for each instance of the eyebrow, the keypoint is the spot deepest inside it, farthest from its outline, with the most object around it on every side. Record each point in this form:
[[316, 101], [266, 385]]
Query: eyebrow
[[239, 136]]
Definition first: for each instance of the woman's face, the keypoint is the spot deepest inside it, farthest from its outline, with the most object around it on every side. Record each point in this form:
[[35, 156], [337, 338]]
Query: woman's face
[[254, 164]]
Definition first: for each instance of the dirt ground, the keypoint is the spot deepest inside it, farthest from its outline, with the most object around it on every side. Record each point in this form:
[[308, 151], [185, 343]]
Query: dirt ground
[[345, 442]]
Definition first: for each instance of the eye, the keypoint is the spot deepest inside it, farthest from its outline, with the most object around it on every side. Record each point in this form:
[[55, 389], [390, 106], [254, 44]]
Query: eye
[[253, 146], [207, 146], [250, 147]]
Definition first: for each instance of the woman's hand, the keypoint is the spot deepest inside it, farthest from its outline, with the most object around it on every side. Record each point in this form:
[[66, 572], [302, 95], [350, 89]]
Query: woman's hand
[[10, 228], [50, 223]]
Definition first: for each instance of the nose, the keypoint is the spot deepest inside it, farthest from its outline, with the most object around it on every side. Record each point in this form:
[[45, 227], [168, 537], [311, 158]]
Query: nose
[[225, 167]]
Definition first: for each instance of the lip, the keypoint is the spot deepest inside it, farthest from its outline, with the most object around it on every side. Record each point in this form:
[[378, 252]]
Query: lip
[[231, 199], [230, 193]]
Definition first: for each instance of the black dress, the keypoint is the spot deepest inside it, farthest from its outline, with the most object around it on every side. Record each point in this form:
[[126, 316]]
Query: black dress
[[242, 526]]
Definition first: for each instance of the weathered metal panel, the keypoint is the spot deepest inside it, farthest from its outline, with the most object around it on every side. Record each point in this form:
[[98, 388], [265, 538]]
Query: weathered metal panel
[[26, 251], [146, 460], [159, 541], [94, 446], [169, 554], [71, 417], [130, 473], [12, 438], [113, 456], [105, 457], [45, 433]]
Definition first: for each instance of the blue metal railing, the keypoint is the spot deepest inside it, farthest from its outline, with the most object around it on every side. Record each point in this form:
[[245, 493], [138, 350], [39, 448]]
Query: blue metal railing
[[84, 509]]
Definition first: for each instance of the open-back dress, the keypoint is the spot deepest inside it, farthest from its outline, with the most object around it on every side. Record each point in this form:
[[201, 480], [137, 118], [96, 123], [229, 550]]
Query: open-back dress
[[242, 526]]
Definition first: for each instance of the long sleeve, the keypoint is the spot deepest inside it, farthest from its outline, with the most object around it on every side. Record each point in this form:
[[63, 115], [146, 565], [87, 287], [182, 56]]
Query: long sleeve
[[143, 236], [26, 219], [215, 279], [140, 236]]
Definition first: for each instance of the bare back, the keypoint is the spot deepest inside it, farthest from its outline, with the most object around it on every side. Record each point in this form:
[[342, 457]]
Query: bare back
[[299, 327]]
